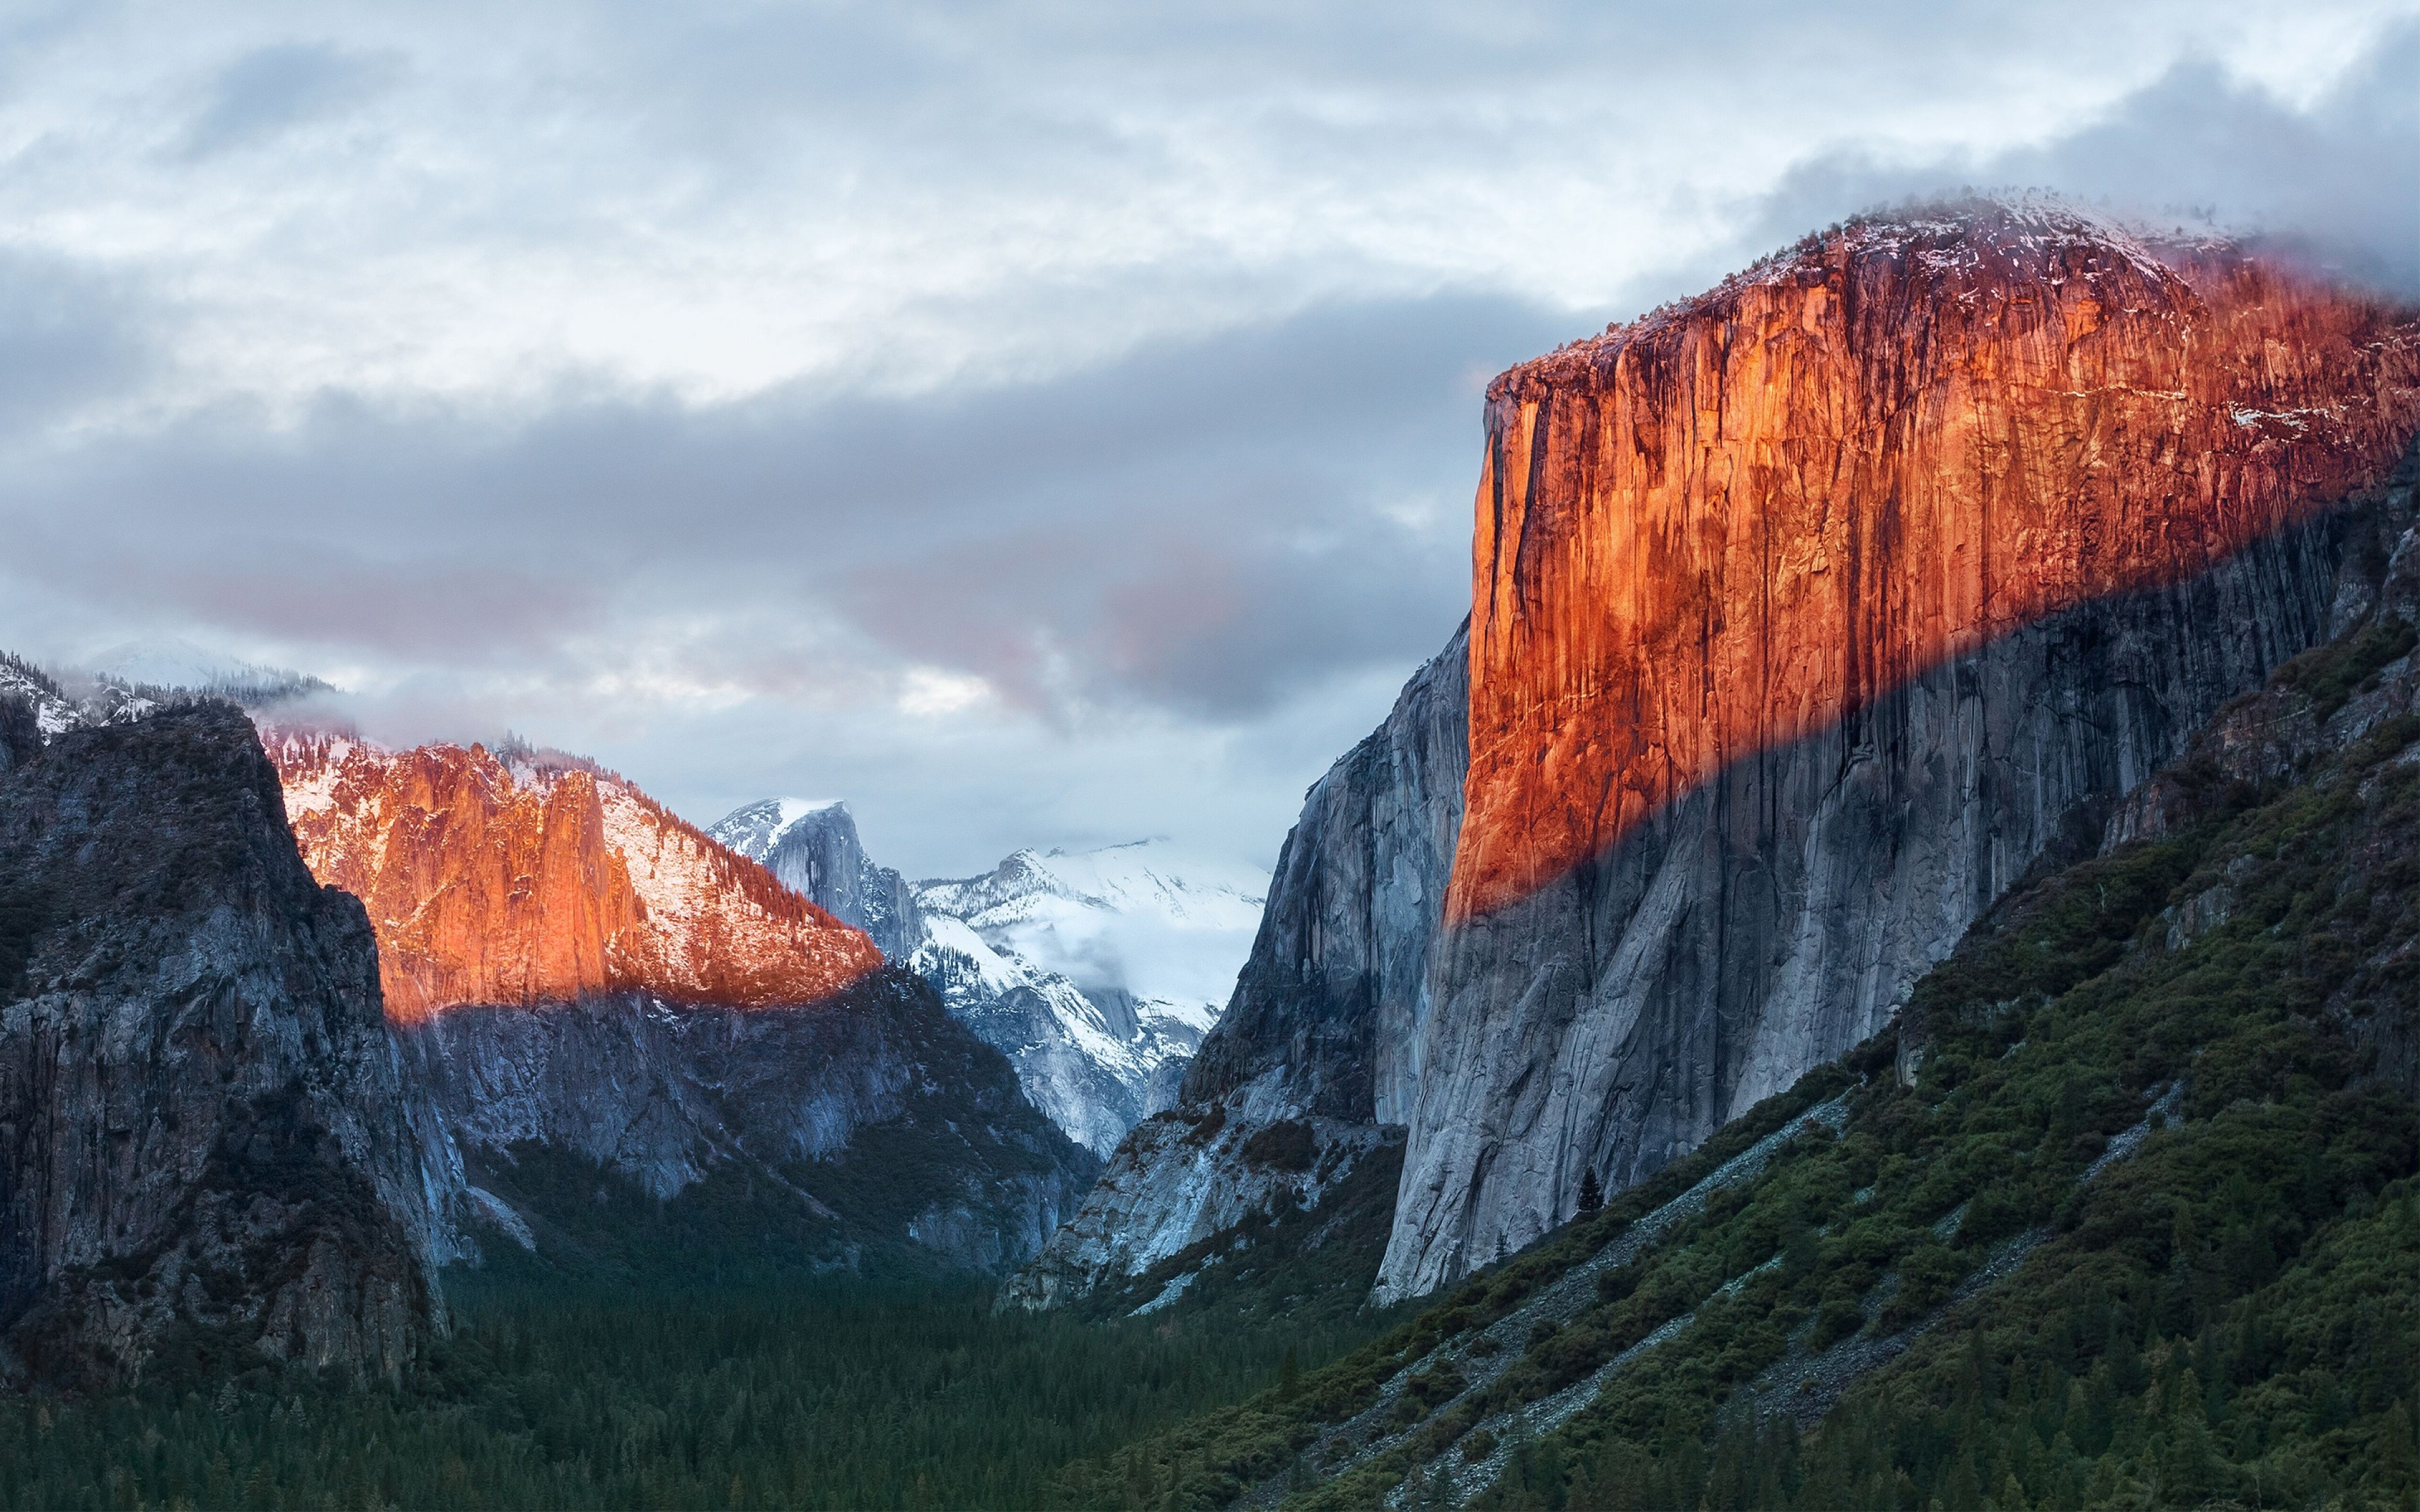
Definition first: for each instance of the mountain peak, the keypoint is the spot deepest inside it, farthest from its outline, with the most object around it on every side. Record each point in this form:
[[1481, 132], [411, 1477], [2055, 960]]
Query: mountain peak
[[526, 878]]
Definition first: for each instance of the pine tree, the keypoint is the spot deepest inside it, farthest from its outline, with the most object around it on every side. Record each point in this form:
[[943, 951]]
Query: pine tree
[[1591, 1194]]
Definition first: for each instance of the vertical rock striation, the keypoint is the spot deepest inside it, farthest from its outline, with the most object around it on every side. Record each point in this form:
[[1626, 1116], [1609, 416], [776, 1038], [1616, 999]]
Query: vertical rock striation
[[1323, 1029], [205, 1151], [814, 849], [545, 879], [1805, 615]]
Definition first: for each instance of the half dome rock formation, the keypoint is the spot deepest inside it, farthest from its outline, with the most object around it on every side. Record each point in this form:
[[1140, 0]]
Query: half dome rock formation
[[576, 973], [207, 1154], [1806, 614], [520, 878], [813, 847]]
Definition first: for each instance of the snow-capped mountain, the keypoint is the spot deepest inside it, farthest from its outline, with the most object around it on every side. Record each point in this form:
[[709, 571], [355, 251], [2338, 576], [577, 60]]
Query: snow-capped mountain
[[812, 845], [1096, 973], [53, 711], [133, 680]]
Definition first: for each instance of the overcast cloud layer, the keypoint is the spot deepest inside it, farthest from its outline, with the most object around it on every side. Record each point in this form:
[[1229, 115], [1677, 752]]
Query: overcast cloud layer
[[1038, 425]]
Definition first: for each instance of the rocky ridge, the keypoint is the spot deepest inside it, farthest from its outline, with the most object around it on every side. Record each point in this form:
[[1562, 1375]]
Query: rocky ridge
[[813, 848], [1308, 1055], [207, 1153], [528, 877], [1060, 962], [574, 971]]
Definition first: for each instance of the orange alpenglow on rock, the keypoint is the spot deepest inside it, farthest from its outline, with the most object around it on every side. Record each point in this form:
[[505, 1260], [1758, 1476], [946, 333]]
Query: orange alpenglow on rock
[[540, 881], [1710, 532]]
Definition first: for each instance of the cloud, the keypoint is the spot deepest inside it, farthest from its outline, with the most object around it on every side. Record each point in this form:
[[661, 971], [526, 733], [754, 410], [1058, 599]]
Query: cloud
[[71, 336], [1207, 528], [1041, 425], [2339, 175], [277, 89]]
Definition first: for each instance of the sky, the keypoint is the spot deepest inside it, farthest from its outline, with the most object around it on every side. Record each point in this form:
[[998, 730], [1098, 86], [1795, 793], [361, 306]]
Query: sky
[[1046, 424]]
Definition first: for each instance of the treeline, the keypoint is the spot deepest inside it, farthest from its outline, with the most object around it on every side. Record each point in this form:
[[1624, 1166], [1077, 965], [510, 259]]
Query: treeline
[[830, 1394], [1957, 1301]]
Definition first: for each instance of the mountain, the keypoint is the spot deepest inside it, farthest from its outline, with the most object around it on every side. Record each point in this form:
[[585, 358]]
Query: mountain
[[36, 692], [600, 998], [2123, 1209], [1096, 973], [529, 877], [207, 1154], [2003, 504], [1280, 1108], [1808, 615], [813, 847]]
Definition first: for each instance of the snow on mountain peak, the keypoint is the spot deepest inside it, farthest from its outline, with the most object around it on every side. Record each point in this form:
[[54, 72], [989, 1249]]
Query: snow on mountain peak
[[793, 810], [1140, 918]]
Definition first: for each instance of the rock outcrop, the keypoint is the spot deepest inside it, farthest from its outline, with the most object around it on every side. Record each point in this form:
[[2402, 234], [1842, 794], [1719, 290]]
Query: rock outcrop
[[1807, 615], [1089, 971], [1321, 1032], [572, 968], [206, 1158], [662, 1096], [544, 879], [814, 849]]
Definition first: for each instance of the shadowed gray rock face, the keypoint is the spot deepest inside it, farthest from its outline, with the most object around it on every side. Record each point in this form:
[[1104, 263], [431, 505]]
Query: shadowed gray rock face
[[1332, 1002], [205, 1142], [1774, 918], [816, 853], [1760, 926], [661, 1096], [1323, 1030]]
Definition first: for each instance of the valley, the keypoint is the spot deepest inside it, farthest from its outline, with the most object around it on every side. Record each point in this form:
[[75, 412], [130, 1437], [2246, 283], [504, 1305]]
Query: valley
[[1877, 969]]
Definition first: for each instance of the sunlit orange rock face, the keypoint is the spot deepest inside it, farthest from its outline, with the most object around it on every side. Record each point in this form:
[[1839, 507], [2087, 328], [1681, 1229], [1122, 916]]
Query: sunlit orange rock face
[[543, 880], [1705, 535]]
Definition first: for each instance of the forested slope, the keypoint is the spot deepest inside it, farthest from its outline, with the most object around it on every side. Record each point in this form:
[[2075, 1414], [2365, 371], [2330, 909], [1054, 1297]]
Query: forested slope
[[2122, 1209]]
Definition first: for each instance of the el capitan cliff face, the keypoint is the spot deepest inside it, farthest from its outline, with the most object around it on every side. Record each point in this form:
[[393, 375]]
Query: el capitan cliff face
[[1806, 614], [546, 881], [1725, 527]]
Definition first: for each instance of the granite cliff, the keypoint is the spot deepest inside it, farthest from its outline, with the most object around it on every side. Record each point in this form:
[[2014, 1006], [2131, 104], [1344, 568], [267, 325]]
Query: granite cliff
[[1299, 1085], [813, 850], [205, 1157], [530, 878], [574, 973], [1808, 616]]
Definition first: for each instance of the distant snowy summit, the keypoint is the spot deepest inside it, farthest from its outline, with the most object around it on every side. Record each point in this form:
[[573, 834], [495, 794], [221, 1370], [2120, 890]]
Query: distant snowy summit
[[1096, 972], [811, 845]]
